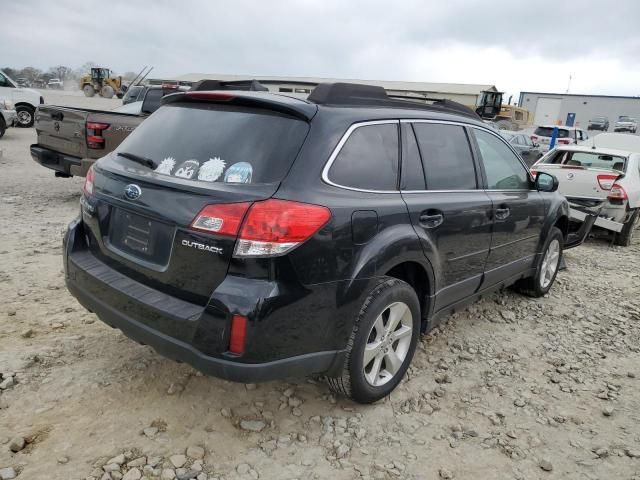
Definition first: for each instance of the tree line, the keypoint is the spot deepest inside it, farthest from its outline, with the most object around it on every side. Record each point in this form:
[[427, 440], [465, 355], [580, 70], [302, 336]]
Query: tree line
[[38, 77]]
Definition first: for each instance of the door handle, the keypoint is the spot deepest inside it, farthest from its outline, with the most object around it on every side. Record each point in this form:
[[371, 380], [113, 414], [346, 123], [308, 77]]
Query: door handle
[[502, 213], [431, 220]]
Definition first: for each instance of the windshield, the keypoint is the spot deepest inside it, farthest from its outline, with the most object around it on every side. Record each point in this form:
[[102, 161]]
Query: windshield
[[625, 119], [206, 144], [588, 160], [548, 131]]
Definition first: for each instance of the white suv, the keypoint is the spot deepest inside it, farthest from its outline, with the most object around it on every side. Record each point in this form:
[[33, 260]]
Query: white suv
[[25, 100], [566, 135]]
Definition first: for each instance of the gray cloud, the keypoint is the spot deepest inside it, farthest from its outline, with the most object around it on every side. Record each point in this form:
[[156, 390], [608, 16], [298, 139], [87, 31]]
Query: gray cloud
[[406, 40]]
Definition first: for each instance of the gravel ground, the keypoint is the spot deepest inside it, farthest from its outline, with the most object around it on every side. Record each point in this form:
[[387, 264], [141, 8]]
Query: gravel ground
[[511, 388]]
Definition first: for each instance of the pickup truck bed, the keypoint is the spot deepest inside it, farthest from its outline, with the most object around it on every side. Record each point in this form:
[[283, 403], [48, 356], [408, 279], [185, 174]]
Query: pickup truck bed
[[71, 139]]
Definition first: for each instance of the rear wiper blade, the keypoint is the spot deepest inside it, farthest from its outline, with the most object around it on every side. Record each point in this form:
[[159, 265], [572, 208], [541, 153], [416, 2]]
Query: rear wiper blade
[[147, 162]]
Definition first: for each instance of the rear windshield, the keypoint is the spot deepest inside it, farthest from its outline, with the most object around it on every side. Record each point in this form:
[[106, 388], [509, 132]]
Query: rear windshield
[[587, 160], [209, 144], [548, 131]]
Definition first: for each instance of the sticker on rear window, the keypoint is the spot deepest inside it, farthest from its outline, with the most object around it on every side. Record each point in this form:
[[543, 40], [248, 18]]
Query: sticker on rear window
[[240, 172], [211, 170], [166, 166], [187, 169]]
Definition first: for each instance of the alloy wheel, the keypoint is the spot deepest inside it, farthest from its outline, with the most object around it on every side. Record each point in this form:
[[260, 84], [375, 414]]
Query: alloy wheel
[[550, 263], [388, 344]]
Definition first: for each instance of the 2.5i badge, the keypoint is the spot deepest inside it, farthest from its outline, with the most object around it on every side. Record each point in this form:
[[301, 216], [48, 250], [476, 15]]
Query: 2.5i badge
[[201, 246]]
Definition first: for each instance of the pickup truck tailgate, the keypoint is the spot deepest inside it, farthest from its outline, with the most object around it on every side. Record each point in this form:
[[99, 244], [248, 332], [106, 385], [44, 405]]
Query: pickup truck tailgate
[[62, 129]]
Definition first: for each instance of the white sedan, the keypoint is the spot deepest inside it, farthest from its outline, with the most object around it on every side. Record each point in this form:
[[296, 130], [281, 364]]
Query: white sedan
[[602, 173]]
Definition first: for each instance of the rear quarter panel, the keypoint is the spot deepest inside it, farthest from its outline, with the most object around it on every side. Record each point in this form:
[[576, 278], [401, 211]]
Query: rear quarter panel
[[120, 127]]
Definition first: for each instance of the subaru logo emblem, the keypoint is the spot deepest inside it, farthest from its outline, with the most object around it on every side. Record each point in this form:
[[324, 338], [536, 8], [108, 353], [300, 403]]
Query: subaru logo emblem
[[132, 191]]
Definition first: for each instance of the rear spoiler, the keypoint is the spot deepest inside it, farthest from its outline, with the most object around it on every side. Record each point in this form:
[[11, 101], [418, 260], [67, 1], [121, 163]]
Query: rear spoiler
[[279, 103]]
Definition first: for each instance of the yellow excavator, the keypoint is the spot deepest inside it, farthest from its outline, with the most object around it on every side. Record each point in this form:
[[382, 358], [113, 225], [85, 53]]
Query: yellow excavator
[[101, 81]]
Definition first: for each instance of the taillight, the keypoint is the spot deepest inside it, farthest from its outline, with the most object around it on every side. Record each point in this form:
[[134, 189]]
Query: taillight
[[564, 141], [274, 227], [617, 193], [238, 334], [88, 181], [534, 137], [534, 173], [95, 140], [606, 181], [267, 228], [223, 219]]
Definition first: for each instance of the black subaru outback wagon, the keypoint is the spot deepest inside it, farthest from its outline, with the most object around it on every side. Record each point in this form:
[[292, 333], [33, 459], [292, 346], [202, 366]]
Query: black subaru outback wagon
[[258, 236]]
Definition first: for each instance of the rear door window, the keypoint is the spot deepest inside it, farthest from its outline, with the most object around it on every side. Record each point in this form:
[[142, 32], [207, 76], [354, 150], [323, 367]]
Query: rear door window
[[502, 167], [446, 156], [369, 159], [208, 144]]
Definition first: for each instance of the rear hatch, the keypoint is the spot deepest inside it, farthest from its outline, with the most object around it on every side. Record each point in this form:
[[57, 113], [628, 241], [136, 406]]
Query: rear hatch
[[62, 129], [583, 174], [204, 154], [543, 135]]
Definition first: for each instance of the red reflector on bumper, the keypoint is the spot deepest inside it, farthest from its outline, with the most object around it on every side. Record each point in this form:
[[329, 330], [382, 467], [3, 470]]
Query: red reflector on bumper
[[238, 334]]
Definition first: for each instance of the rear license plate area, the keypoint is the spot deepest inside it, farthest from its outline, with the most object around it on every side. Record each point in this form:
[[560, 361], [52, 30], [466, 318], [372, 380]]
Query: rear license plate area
[[140, 236]]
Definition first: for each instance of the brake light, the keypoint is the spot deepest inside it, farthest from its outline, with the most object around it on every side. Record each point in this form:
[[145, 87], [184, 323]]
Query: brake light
[[94, 135], [534, 137], [564, 141], [267, 228], [617, 193], [88, 181], [606, 181], [224, 219], [238, 334], [214, 96], [274, 227], [534, 173]]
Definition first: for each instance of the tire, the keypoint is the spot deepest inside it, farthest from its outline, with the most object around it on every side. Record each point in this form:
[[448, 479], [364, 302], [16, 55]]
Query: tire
[[89, 91], [540, 283], [624, 237], [26, 116], [107, 92], [390, 299], [3, 126]]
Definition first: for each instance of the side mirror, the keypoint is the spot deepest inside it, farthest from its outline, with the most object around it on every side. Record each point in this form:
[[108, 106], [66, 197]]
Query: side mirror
[[545, 182]]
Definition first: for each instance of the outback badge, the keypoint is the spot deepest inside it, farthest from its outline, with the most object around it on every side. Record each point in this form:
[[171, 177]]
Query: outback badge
[[132, 191]]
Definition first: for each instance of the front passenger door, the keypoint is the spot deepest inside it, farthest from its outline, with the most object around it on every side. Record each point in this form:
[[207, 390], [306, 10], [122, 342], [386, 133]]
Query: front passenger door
[[518, 209]]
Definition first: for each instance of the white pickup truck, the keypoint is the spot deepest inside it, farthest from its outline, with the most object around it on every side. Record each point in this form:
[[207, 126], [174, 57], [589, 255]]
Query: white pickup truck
[[25, 100], [603, 175]]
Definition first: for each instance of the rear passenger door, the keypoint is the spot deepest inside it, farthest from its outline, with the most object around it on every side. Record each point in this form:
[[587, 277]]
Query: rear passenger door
[[518, 209], [450, 214]]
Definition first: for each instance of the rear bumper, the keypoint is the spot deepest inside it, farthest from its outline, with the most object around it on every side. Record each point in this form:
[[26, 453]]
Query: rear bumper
[[159, 320], [56, 161]]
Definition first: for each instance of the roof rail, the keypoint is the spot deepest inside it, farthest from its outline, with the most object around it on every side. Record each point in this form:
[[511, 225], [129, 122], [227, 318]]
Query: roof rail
[[246, 85], [374, 96]]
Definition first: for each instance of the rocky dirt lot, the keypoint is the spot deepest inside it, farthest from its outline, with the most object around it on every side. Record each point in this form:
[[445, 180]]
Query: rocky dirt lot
[[511, 388]]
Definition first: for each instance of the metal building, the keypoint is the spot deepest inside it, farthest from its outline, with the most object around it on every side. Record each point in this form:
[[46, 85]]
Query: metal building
[[555, 108], [467, 94]]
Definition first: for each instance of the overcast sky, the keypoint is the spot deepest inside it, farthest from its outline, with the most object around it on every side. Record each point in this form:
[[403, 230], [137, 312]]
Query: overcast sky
[[515, 45]]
